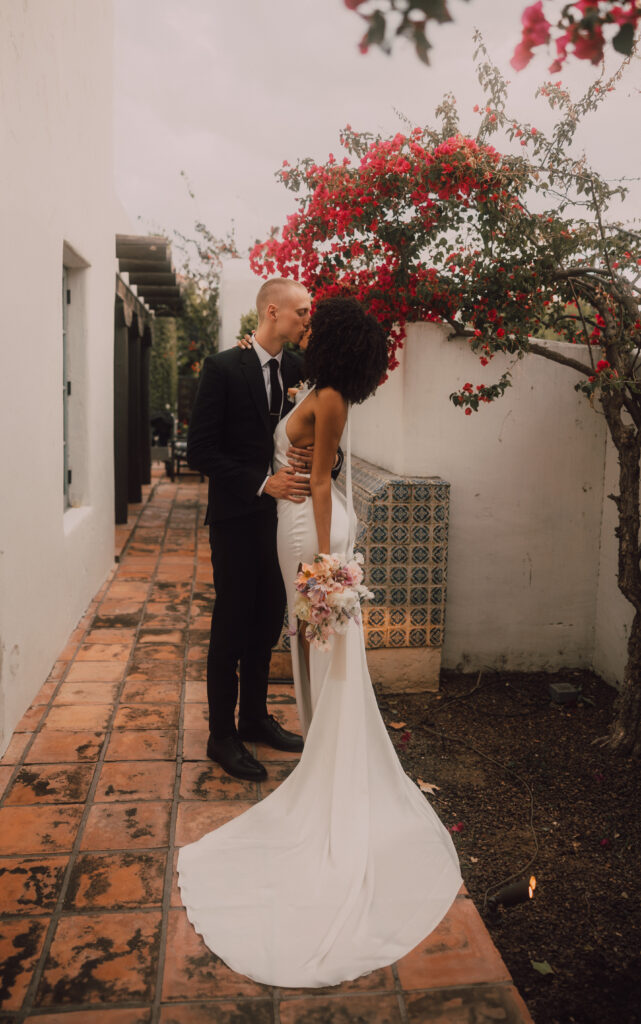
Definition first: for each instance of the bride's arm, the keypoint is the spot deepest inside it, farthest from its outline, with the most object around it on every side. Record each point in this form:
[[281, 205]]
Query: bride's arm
[[330, 414]]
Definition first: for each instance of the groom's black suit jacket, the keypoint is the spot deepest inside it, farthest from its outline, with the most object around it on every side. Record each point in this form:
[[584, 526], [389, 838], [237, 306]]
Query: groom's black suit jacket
[[230, 438]]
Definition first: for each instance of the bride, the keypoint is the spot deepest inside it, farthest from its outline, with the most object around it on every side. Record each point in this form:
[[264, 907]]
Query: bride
[[345, 867]]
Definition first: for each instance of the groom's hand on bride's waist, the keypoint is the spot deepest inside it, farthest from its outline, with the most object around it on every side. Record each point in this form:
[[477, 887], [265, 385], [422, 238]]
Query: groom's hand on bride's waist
[[300, 459], [288, 485]]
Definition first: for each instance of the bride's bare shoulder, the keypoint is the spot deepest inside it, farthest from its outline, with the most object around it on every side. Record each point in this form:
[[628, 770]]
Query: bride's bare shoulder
[[330, 402]]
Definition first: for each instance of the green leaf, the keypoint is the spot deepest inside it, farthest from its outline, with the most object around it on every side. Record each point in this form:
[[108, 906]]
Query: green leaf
[[624, 40], [376, 30], [542, 966], [436, 9], [422, 46]]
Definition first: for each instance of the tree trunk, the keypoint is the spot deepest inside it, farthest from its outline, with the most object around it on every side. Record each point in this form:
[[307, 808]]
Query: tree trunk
[[625, 731]]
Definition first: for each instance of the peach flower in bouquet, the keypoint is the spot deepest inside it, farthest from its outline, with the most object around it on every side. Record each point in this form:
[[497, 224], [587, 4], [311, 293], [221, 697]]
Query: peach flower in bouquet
[[330, 592]]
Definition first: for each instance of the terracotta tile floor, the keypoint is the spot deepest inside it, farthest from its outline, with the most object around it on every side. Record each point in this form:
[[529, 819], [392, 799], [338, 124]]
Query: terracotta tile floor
[[106, 776]]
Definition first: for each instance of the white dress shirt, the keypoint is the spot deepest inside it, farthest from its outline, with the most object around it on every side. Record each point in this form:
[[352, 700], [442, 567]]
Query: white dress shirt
[[264, 362]]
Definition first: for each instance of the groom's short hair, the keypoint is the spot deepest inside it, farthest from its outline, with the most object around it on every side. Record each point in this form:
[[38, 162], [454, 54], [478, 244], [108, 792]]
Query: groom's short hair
[[271, 292]]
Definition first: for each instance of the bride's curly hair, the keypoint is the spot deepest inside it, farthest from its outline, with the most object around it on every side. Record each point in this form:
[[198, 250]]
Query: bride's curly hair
[[347, 349]]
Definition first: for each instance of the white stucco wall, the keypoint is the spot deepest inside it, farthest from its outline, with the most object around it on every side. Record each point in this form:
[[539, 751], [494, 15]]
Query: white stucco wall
[[526, 476], [57, 188], [238, 290], [613, 612]]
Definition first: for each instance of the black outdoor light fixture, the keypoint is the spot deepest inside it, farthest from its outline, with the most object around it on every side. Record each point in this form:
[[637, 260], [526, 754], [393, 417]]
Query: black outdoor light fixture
[[516, 892]]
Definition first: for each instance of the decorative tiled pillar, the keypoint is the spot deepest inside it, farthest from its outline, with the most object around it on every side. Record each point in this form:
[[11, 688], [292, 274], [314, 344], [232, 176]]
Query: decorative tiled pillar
[[402, 533]]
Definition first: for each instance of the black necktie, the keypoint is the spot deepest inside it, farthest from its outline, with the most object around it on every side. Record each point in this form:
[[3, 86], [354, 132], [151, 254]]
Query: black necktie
[[277, 393]]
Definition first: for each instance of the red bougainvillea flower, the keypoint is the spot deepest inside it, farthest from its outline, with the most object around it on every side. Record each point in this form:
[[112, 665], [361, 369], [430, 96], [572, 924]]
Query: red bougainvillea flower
[[580, 30], [589, 45], [629, 17], [536, 31], [535, 24], [521, 57]]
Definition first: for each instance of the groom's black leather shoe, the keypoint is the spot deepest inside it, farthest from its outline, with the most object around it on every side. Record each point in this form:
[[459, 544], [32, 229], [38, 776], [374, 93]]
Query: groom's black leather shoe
[[269, 730], [235, 759]]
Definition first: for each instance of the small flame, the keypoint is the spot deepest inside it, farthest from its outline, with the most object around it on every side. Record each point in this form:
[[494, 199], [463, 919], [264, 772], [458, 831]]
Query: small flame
[[532, 886]]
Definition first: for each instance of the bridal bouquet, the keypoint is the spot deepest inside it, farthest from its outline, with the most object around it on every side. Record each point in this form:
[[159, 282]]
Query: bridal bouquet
[[329, 595]]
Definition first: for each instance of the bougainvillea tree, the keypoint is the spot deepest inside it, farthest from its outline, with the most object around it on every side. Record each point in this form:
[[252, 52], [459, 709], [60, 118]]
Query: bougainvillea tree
[[436, 225], [582, 29]]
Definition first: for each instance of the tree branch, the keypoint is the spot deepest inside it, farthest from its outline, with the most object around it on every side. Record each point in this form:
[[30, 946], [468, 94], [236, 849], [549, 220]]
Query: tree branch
[[557, 357], [458, 330], [565, 275], [585, 328]]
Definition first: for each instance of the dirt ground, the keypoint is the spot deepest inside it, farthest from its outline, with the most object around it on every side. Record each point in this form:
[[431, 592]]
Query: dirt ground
[[502, 755]]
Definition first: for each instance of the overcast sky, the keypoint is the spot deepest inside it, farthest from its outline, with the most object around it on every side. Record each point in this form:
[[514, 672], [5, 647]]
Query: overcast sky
[[227, 89]]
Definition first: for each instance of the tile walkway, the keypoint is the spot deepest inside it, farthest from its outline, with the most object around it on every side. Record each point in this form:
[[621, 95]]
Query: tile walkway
[[106, 777]]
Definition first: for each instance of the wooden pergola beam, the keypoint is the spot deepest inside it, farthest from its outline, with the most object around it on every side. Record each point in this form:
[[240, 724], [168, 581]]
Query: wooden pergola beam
[[140, 278], [152, 291], [136, 266], [148, 247]]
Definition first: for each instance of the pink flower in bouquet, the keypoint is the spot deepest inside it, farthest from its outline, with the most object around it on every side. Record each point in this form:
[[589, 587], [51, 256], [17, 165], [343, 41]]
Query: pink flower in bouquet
[[329, 597]]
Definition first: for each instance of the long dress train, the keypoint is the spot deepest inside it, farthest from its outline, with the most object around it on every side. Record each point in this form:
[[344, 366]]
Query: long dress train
[[345, 867]]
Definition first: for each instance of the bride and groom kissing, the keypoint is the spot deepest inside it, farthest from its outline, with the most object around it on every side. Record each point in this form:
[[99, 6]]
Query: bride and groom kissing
[[242, 395], [345, 866]]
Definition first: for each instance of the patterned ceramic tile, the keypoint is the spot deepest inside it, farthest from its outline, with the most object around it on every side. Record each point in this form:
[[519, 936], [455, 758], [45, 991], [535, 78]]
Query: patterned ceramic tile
[[402, 534], [401, 492], [397, 638], [378, 534], [398, 574], [400, 513]]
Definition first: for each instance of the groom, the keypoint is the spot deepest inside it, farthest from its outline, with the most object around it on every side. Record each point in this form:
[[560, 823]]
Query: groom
[[241, 396]]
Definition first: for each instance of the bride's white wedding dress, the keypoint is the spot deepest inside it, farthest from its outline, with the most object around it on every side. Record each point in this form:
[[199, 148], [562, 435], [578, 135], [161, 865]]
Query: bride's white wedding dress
[[345, 867]]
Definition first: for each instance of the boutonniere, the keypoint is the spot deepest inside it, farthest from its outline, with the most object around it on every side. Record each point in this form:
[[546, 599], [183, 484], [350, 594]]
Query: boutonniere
[[292, 392]]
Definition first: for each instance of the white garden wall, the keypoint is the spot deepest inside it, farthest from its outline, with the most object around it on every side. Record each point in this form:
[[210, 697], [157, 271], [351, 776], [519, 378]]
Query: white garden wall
[[57, 197], [532, 550], [526, 503]]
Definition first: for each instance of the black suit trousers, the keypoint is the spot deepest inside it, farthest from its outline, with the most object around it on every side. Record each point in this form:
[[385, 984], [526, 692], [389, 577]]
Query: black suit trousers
[[247, 618]]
